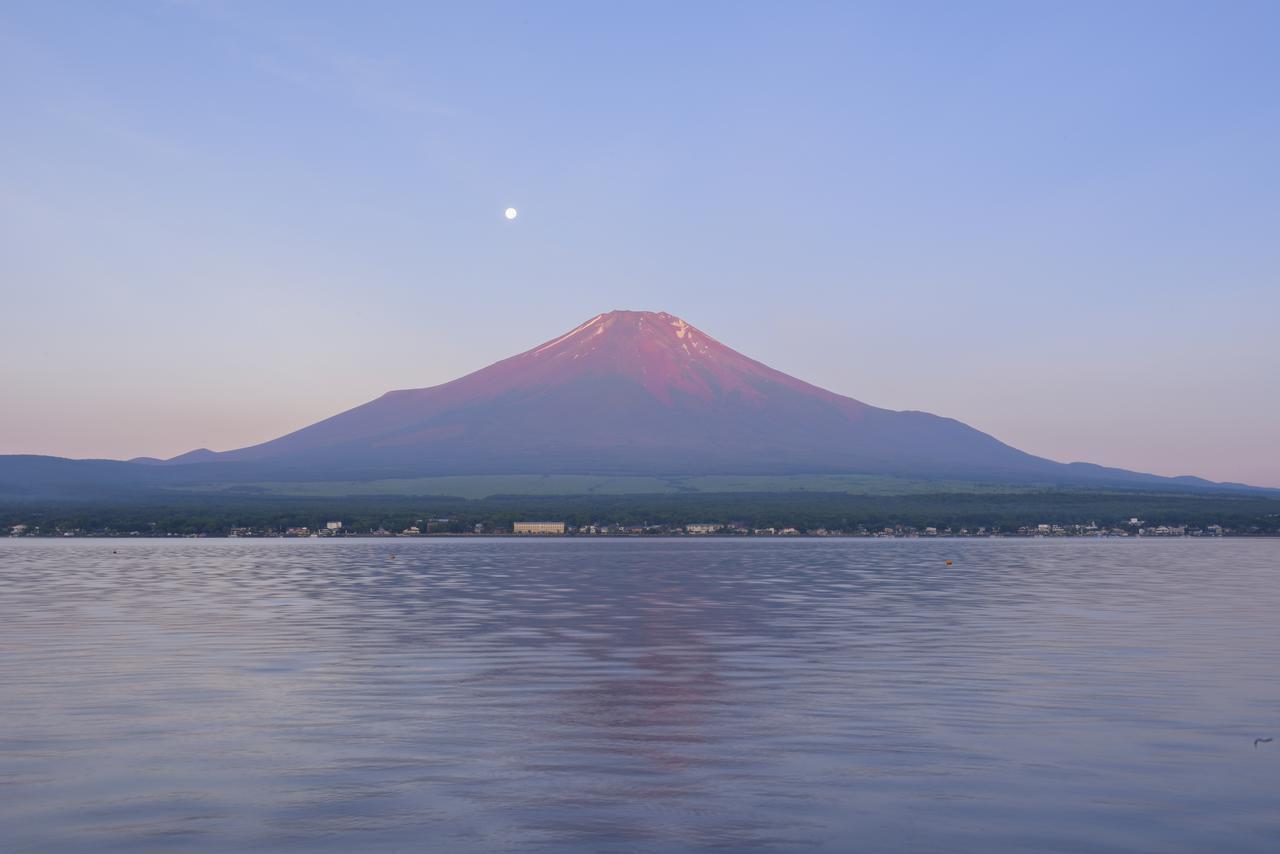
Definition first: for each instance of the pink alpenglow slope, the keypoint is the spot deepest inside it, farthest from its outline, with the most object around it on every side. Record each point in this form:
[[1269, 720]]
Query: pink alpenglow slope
[[635, 392]]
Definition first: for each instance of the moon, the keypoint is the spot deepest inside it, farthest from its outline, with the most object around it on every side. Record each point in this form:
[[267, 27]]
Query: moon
[[510, 213]]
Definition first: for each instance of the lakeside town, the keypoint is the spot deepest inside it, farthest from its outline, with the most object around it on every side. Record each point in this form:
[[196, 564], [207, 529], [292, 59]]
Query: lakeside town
[[452, 527]]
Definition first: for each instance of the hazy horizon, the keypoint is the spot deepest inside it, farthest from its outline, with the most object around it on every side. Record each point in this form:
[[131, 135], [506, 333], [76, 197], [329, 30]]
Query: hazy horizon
[[222, 222]]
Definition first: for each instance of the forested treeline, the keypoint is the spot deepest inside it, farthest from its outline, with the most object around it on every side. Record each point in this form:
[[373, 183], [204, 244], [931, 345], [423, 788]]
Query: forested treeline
[[191, 514]]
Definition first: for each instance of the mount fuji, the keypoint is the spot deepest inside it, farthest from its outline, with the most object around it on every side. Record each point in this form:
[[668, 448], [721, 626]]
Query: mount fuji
[[638, 392]]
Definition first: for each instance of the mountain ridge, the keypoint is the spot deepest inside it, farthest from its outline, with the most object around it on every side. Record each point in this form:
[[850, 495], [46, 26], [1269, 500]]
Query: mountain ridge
[[634, 392], [630, 393], [641, 392]]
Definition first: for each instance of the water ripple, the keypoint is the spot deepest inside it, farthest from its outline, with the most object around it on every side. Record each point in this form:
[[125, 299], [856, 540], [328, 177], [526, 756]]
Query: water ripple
[[564, 695]]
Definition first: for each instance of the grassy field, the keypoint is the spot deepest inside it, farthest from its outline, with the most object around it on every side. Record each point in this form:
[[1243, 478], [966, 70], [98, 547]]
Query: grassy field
[[485, 486]]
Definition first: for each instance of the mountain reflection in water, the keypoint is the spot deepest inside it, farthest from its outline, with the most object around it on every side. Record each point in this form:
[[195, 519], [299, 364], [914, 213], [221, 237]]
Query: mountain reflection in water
[[576, 695]]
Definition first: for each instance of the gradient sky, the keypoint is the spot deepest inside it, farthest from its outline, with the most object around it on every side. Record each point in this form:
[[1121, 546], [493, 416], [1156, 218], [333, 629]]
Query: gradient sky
[[1058, 222]]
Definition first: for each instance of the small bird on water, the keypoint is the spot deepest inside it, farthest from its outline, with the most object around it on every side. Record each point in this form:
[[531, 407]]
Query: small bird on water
[[1258, 741]]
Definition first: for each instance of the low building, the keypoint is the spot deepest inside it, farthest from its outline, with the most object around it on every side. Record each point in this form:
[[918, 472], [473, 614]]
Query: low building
[[701, 528], [333, 526], [538, 528], [1165, 531]]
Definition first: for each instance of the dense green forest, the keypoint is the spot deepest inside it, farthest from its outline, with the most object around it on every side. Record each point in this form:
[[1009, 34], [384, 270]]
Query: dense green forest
[[214, 515]]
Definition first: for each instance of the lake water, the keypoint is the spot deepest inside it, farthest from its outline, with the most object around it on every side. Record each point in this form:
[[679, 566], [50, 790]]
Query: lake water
[[627, 695]]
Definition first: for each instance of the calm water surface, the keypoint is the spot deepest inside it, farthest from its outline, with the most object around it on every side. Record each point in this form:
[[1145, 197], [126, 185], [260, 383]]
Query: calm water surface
[[562, 695]]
